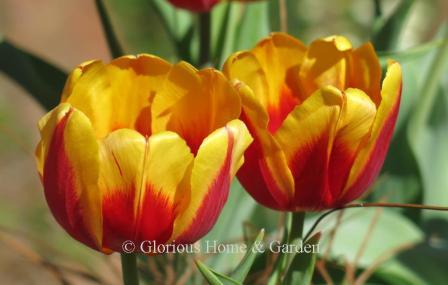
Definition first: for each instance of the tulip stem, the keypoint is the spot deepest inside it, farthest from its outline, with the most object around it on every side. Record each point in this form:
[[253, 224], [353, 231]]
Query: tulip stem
[[129, 267], [296, 230], [373, 205], [204, 37]]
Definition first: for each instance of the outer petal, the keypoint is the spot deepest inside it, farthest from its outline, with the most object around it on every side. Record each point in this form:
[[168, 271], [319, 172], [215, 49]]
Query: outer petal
[[217, 160], [69, 159], [265, 173], [207, 92], [371, 157], [365, 72], [140, 178], [97, 89], [353, 131], [307, 137], [325, 63]]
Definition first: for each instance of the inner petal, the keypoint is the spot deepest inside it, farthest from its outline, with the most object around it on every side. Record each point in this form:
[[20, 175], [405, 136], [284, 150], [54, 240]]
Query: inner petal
[[278, 113], [118, 95], [325, 63], [194, 103]]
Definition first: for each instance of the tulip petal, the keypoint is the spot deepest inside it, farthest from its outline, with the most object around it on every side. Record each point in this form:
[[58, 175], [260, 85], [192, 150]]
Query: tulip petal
[[371, 157], [265, 173], [129, 81], [70, 172], [353, 131], [307, 137], [207, 92], [218, 159], [266, 69], [365, 72], [140, 179], [75, 75], [325, 63]]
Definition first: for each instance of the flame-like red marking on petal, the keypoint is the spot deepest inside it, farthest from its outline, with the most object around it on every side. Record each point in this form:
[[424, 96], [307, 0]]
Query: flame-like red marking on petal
[[59, 182], [277, 114], [118, 218], [256, 178], [376, 159], [157, 217], [213, 202], [309, 167]]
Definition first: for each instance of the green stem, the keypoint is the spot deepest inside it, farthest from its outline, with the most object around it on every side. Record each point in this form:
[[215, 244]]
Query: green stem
[[296, 230], [129, 267], [204, 37]]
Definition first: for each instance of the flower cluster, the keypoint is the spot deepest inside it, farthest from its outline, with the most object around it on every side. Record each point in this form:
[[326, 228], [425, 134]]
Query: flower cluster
[[141, 149]]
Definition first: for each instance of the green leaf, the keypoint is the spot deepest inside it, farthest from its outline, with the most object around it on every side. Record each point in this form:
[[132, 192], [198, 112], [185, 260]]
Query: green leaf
[[245, 265], [411, 54], [140, 28], [382, 239], [387, 32], [254, 25], [301, 269], [240, 272], [41, 79], [295, 21], [208, 274], [223, 17], [112, 41], [179, 26], [427, 133], [176, 21]]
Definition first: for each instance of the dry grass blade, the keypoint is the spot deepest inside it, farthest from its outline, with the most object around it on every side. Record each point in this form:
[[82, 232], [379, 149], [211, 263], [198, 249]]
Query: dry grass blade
[[31, 255], [351, 268], [365, 275]]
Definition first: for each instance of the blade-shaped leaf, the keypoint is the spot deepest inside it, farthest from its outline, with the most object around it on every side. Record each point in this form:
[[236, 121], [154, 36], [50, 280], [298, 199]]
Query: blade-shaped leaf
[[243, 268], [427, 133], [254, 25], [41, 79], [208, 274], [301, 269], [112, 41], [387, 31]]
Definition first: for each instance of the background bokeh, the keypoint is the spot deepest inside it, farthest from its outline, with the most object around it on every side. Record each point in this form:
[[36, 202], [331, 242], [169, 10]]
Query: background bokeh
[[403, 247]]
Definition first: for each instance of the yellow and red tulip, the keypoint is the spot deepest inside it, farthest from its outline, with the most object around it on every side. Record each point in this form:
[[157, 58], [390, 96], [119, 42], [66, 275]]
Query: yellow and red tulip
[[140, 149], [320, 119], [199, 6], [195, 5]]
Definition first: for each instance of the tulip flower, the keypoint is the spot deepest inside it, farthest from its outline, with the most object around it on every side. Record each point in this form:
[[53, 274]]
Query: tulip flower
[[321, 120], [140, 149], [198, 6]]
